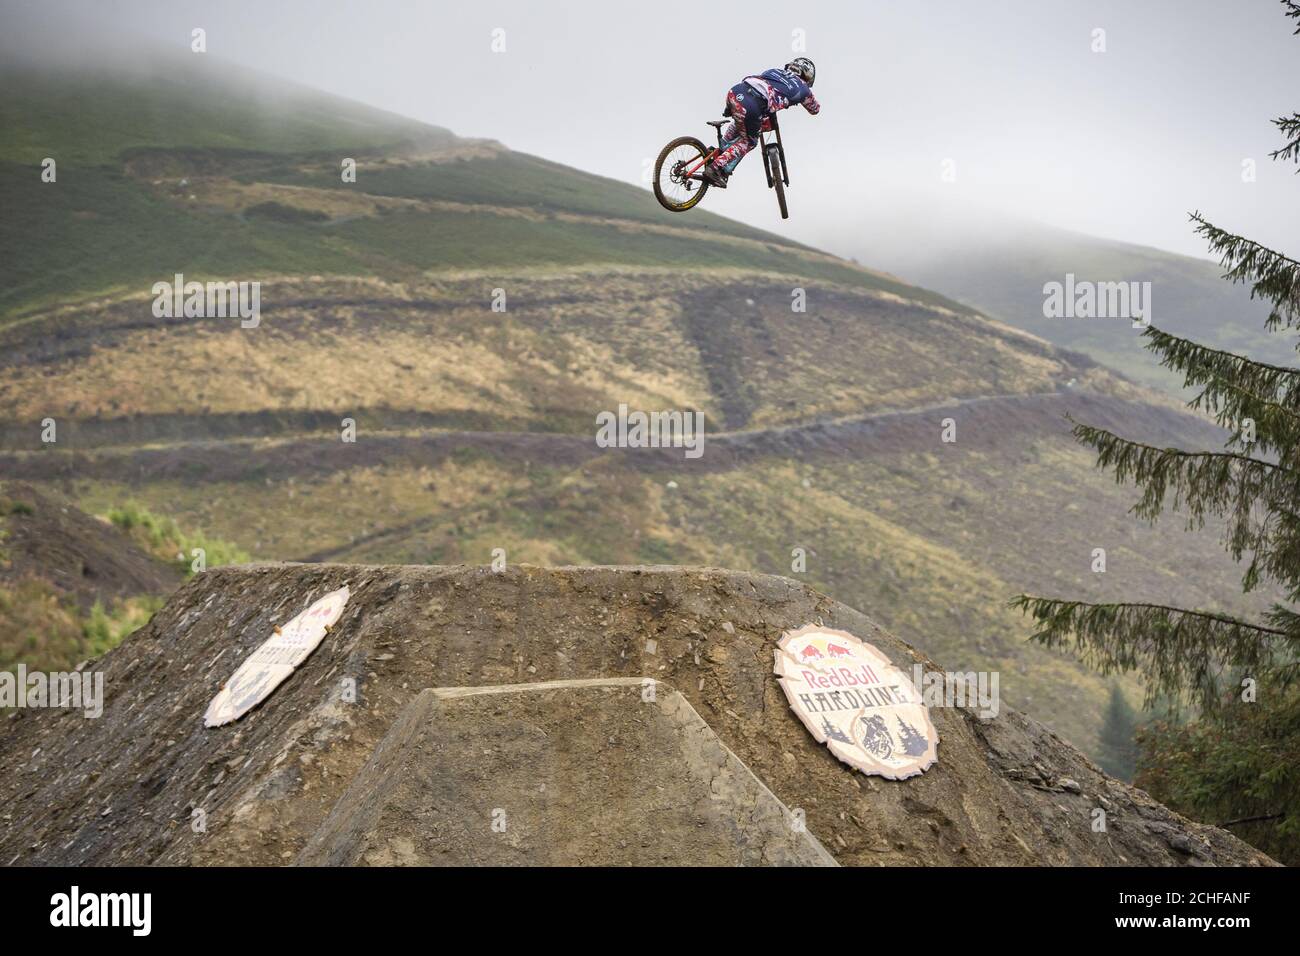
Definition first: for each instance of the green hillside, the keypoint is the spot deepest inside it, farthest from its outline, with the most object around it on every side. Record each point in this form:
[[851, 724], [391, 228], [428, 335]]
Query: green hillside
[[1002, 271]]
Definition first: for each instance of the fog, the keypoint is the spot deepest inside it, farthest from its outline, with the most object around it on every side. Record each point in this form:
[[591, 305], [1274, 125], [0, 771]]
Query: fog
[[1008, 97]]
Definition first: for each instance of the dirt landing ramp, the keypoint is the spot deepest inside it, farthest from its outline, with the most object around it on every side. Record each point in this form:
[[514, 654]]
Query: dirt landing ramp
[[561, 773], [148, 783]]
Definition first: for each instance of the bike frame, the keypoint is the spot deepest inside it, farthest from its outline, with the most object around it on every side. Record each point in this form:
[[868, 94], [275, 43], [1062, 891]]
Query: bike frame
[[770, 125]]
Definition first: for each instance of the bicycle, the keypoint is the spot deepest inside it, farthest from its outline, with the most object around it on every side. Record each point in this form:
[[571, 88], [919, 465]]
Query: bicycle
[[683, 159]]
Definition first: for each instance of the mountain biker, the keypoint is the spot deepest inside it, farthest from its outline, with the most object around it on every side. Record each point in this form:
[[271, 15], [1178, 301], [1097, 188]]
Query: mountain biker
[[749, 105]]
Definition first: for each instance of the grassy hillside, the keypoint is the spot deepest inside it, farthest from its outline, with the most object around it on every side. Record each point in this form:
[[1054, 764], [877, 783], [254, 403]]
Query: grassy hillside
[[1002, 271], [70, 586], [475, 426], [190, 167], [475, 433]]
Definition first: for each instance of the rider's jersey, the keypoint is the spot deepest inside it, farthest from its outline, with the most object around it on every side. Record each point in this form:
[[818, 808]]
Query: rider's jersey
[[782, 89]]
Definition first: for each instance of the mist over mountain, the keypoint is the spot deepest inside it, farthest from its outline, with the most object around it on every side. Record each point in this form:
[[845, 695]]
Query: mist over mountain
[[1120, 143], [1001, 266]]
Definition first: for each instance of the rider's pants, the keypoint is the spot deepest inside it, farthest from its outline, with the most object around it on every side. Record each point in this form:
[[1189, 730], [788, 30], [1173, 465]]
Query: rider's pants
[[747, 110]]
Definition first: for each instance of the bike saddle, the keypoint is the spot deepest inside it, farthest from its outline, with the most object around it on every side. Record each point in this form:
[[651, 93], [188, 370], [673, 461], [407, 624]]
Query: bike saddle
[[718, 123]]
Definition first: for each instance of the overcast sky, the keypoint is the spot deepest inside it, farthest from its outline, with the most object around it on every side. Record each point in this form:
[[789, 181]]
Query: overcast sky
[[1121, 143]]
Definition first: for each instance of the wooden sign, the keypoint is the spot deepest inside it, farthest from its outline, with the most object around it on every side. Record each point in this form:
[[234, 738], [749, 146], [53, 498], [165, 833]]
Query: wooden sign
[[270, 664]]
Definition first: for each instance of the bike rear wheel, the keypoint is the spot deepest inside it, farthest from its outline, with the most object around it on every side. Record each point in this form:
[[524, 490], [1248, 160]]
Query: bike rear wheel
[[773, 153], [674, 190]]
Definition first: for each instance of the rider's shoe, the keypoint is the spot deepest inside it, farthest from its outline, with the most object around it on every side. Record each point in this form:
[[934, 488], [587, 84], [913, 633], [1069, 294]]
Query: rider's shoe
[[714, 176]]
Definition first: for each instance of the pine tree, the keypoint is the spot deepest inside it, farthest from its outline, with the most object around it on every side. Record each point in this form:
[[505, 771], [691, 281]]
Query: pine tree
[[1238, 763], [913, 741], [1118, 756]]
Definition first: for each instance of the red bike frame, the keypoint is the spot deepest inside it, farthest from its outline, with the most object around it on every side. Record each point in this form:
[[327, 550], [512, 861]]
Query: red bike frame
[[770, 125]]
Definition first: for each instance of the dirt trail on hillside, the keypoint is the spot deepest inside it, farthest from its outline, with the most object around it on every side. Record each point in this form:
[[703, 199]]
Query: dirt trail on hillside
[[985, 423], [124, 788]]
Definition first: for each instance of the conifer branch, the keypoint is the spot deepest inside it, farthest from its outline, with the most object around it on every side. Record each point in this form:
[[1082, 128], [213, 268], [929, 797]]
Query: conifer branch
[[1203, 482], [1290, 127], [1273, 277], [1276, 429], [1203, 365], [1181, 653], [1254, 496]]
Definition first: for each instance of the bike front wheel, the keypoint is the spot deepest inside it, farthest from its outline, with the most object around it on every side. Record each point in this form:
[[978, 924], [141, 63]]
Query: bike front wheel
[[675, 188], [773, 153]]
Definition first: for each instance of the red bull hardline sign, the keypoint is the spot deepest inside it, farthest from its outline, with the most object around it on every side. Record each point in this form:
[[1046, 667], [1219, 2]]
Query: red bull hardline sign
[[852, 699]]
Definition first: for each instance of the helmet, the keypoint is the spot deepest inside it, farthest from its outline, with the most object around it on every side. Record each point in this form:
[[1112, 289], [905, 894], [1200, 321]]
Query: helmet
[[803, 68]]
